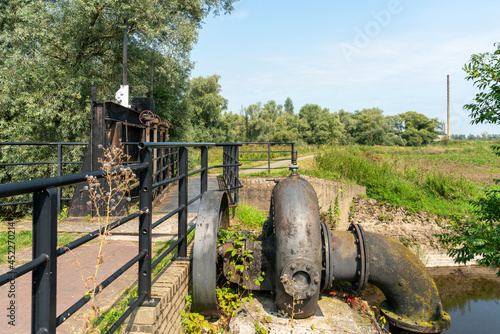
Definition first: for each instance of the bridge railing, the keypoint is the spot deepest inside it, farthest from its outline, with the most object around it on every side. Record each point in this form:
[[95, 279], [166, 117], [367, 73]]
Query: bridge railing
[[252, 152], [60, 162], [45, 252]]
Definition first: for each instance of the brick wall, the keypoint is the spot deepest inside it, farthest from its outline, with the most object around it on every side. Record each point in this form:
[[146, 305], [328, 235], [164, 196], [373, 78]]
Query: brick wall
[[170, 287]]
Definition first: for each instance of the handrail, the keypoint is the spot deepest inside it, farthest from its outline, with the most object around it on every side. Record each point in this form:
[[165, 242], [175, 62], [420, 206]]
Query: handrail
[[44, 317], [26, 187], [269, 153]]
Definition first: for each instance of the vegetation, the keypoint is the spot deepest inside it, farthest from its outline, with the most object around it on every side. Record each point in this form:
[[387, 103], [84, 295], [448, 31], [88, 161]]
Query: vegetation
[[249, 216], [430, 178], [479, 237], [24, 240]]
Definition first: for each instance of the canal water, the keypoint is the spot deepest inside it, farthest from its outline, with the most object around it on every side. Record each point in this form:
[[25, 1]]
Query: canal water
[[471, 295]]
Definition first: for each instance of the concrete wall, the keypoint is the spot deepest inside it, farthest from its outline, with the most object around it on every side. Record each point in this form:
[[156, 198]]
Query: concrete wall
[[257, 191]]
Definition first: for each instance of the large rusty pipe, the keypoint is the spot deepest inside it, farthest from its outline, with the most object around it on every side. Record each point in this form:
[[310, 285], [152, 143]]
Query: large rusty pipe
[[413, 304], [298, 247]]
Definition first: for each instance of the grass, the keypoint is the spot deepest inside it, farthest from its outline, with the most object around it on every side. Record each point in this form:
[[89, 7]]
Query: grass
[[433, 178], [249, 216], [110, 316], [23, 240]]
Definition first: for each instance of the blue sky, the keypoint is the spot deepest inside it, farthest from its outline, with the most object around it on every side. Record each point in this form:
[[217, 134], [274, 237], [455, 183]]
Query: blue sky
[[339, 54]]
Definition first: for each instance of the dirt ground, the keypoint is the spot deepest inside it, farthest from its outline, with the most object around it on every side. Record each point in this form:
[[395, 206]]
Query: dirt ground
[[413, 230]]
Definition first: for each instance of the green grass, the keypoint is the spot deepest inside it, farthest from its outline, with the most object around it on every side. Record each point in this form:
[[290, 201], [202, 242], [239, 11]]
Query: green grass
[[410, 177], [250, 216], [23, 239]]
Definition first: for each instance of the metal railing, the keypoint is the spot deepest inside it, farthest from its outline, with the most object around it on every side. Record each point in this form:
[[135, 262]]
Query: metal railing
[[268, 154], [60, 162], [45, 252]]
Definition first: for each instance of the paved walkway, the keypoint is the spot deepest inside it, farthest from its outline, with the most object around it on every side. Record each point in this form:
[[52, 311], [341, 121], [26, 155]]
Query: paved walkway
[[263, 168], [75, 267]]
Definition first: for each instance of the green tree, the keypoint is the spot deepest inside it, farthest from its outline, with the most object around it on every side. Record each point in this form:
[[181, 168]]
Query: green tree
[[480, 236], [483, 70], [289, 105], [416, 129], [371, 127], [260, 120], [52, 52], [233, 128], [287, 128], [314, 126], [205, 105]]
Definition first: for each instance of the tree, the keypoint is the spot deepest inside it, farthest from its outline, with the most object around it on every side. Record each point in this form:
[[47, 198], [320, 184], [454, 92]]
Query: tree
[[205, 106], [416, 129], [52, 52], [314, 126], [480, 236], [287, 128], [483, 70], [370, 127], [288, 105]]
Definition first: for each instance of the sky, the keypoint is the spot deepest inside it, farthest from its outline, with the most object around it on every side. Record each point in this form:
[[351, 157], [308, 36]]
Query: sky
[[340, 54]]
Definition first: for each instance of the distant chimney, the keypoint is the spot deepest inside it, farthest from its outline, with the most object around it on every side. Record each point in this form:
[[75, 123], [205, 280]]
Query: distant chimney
[[448, 90]]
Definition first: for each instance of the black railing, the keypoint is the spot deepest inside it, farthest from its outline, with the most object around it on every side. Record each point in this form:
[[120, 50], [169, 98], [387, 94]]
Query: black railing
[[265, 155], [45, 252], [60, 163]]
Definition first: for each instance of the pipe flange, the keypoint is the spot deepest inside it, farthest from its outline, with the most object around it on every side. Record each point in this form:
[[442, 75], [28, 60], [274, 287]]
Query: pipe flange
[[327, 273], [413, 326], [301, 279], [363, 255]]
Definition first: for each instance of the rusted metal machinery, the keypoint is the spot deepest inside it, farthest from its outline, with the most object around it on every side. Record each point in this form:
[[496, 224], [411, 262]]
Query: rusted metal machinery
[[300, 257]]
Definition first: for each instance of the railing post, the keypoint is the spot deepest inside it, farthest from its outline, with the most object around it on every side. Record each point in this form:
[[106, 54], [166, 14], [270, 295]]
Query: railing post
[[293, 150], [204, 173], [145, 220], [59, 173], [44, 278], [236, 160], [268, 158], [183, 200]]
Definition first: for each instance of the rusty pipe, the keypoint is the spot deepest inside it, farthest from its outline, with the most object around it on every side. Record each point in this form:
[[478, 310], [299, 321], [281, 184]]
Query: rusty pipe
[[413, 304], [297, 229]]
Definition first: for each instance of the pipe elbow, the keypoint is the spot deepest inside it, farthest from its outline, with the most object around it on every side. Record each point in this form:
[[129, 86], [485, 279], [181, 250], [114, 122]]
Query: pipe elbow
[[412, 299]]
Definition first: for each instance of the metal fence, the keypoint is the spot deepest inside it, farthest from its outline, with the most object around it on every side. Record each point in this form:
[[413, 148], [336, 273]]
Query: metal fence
[[60, 163], [264, 155], [45, 252]]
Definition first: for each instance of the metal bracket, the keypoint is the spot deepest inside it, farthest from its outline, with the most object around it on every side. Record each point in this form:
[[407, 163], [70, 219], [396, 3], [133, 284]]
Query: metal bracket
[[148, 303]]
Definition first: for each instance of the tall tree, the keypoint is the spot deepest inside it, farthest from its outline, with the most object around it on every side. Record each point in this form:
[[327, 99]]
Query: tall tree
[[288, 105], [205, 106], [52, 52]]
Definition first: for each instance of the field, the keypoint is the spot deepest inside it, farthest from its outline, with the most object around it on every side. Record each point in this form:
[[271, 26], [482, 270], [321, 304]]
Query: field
[[441, 178]]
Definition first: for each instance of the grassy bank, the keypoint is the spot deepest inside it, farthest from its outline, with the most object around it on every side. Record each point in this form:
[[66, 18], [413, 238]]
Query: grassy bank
[[440, 178]]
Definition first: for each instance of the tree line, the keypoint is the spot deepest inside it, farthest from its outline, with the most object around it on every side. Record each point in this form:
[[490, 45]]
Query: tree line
[[311, 125], [53, 52]]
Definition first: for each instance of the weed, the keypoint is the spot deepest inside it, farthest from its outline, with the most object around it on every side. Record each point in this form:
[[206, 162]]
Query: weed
[[249, 216], [105, 199], [332, 215]]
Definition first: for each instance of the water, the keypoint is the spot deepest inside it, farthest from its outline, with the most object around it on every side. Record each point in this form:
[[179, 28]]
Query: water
[[472, 298], [471, 295]]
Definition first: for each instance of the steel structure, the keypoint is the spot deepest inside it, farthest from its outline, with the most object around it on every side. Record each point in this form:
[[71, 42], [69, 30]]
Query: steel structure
[[43, 266]]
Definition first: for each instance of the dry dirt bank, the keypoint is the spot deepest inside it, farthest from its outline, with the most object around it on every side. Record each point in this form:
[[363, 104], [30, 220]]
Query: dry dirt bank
[[416, 231]]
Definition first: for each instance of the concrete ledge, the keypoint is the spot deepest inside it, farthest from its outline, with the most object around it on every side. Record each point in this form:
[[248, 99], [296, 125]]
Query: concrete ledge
[[257, 192]]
